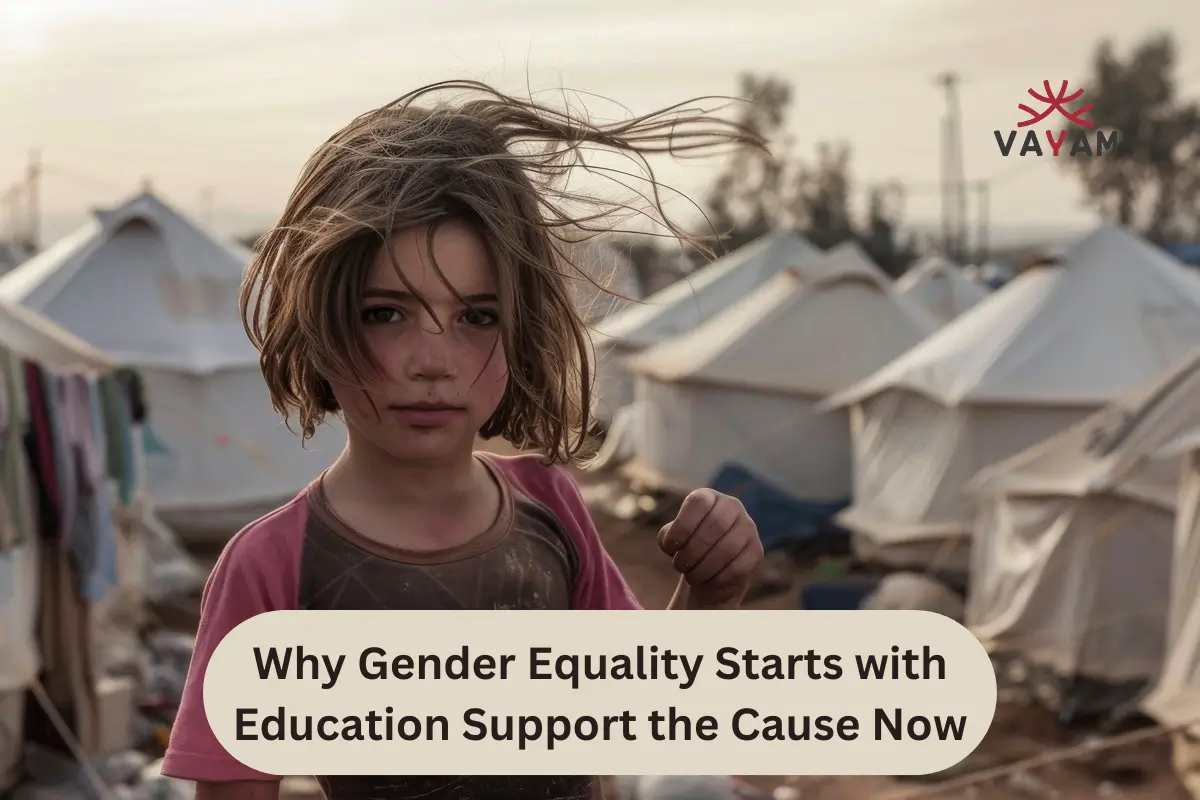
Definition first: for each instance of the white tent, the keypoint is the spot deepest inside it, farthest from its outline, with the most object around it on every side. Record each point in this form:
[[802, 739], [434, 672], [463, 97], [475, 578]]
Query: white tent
[[11, 256], [940, 287], [150, 287], [1071, 555], [1054, 345], [682, 306], [1175, 700], [742, 386]]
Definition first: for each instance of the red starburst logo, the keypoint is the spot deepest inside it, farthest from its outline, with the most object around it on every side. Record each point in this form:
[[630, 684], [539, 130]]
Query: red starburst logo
[[1056, 102]]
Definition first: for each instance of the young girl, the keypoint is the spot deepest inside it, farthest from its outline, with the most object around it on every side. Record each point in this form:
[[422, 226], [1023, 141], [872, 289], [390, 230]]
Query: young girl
[[416, 288]]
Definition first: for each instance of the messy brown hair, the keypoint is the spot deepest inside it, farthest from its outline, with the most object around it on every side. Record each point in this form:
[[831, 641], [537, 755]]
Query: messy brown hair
[[498, 163]]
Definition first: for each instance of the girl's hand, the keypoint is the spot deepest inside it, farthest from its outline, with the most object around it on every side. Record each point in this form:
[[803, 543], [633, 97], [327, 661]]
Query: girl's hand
[[714, 546]]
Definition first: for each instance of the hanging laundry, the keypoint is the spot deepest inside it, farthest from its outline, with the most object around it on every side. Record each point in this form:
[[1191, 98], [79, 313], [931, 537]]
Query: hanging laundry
[[20, 584], [15, 481], [69, 660], [118, 435], [39, 448], [90, 532], [131, 382], [8, 531], [64, 460]]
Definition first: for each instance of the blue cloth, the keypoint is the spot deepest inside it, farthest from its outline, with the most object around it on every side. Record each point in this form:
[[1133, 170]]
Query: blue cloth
[[91, 533], [63, 460], [104, 576], [151, 444], [844, 595], [1187, 252], [118, 428], [781, 518]]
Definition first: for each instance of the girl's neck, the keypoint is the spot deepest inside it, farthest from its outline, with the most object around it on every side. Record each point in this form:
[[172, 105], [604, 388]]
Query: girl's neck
[[367, 474]]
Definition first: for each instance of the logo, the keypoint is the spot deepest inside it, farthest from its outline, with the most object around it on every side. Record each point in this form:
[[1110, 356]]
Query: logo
[[1083, 138]]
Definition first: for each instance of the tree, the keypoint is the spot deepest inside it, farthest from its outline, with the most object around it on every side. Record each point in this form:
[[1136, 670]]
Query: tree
[[1150, 181], [757, 193], [748, 197]]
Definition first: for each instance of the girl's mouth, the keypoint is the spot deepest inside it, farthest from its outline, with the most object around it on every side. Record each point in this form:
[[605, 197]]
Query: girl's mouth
[[427, 415]]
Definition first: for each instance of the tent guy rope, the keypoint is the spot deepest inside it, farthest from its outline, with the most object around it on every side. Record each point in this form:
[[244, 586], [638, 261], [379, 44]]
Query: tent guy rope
[[1056, 756]]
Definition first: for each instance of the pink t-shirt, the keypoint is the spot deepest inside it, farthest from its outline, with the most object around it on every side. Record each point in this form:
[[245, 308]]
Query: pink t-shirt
[[301, 556]]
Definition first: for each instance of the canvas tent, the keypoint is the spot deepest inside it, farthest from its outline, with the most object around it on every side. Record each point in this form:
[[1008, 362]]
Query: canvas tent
[[742, 386], [940, 287], [1056, 344], [682, 306], [11, 256], [150, 287], [1071, 561], [1175, 699]]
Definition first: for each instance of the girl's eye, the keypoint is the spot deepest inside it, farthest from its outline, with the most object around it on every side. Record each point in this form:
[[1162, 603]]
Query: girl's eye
[[381, 315], [480, 317]]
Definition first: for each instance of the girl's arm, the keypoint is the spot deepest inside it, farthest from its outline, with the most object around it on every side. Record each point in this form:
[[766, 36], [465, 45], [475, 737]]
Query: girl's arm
[[257, 573]]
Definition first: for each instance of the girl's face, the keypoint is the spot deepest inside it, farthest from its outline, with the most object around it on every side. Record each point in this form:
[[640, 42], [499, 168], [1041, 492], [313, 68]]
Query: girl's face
[[446, 371]]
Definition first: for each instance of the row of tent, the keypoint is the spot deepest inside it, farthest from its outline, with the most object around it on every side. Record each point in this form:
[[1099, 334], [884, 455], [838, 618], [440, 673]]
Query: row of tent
[[731, 363], [1030, 438]]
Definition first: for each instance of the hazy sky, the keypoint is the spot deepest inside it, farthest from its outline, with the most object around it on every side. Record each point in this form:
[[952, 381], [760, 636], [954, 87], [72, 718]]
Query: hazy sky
[[232, 95]]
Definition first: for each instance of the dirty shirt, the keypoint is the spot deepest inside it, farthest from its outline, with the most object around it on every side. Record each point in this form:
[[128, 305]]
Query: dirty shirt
[[542, 552]]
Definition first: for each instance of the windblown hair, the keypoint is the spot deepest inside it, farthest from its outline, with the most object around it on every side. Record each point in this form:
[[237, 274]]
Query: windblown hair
[[497, 163]]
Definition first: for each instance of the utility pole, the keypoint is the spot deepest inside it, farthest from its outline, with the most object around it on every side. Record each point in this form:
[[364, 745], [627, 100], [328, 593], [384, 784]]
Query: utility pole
[[954, 204], [10, 201], [33, 212], [947, 206], [982, 190]]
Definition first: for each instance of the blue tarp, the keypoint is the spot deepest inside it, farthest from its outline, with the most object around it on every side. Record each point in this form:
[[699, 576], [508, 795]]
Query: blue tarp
[[1187, 252], [781, 519], [844, 595]]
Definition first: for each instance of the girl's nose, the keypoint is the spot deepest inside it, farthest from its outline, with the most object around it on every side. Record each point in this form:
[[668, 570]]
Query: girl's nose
[[431, 356]]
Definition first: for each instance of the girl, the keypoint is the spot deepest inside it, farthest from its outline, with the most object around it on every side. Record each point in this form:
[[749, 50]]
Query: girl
[[415, 286]]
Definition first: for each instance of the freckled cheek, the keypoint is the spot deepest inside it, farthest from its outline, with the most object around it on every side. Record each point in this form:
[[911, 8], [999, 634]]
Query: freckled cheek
[[356, 404], [488, 362], [387, 349]]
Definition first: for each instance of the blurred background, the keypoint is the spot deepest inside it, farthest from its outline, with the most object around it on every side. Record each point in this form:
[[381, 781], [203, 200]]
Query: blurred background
[[940, 373]]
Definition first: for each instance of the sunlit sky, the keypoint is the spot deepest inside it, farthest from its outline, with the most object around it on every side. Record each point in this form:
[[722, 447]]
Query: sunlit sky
[[228, 97]]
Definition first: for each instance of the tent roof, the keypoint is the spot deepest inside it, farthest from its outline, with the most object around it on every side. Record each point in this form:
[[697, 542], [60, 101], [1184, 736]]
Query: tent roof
[[187, 261], [1122, 447], [1111, 316], [693, 299], [11, 255], [31, 336], [810, 331], [940, 287]]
